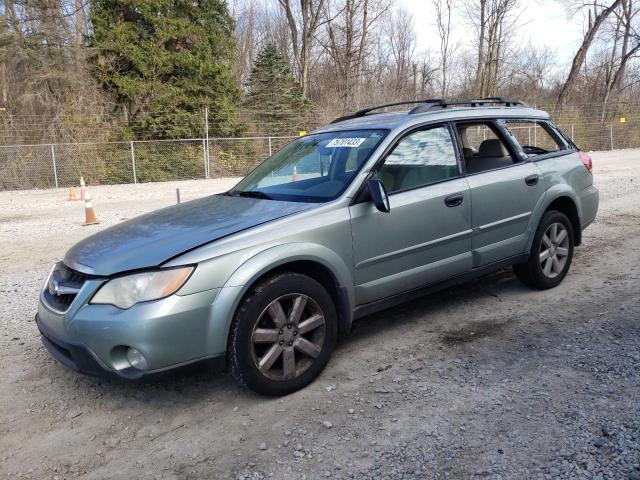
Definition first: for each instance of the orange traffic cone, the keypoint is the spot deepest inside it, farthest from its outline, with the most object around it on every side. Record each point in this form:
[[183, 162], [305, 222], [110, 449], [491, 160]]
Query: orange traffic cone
[[294, 177], [72, 195], [83, 187], [89, 214]]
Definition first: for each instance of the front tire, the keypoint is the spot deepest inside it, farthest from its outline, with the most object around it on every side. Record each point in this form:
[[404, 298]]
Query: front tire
[[551, 252], [282, 335]]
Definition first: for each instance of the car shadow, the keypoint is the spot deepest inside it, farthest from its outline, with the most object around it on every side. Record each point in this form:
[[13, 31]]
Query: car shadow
[[499, 284]]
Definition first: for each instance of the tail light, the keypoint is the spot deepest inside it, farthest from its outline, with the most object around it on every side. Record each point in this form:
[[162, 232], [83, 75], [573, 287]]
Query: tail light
[[586, 160]]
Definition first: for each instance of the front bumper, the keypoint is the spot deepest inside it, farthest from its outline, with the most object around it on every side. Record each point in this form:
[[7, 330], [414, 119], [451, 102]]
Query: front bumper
[[170, 333], [80, 358]]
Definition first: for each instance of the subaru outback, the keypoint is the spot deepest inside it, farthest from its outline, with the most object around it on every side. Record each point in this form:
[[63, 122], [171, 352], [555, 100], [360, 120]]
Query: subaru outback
[[372, 210]]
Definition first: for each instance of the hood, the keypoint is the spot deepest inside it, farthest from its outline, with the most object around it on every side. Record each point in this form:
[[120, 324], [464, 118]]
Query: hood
[[151, 239]]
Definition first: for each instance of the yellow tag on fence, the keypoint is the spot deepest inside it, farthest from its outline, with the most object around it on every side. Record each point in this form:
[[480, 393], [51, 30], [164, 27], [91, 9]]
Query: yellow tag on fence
[[302, 133], [623, 120]]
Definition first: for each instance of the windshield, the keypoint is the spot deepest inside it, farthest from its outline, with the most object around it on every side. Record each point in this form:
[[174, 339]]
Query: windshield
[[314, 168]]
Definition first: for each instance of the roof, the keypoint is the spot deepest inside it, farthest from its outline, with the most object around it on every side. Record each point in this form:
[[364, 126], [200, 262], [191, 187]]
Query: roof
[[393, 120]]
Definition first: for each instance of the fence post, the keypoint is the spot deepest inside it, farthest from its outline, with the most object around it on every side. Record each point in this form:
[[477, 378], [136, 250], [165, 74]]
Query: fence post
[[269, 146], [204, 158], [535, 134], [572, 133], [206, 133], [133, 163], [611, 134], [55, 168]]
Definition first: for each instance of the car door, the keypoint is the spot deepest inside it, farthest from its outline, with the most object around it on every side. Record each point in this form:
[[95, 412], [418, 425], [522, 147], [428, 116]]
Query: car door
[[426, 235], [504, 192]]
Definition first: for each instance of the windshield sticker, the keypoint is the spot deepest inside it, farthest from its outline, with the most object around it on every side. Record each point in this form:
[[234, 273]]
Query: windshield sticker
[[346, 142]]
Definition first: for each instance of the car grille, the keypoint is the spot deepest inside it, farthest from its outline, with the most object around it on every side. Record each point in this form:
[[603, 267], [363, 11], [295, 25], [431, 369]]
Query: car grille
[[62, 287]]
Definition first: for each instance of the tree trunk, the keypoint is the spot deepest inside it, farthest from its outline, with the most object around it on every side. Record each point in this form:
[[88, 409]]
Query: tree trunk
[[611, 69], [581, 54], [361, 47], [80, 28], [306, 32], [3, 67], [480, 67], [627, 14]]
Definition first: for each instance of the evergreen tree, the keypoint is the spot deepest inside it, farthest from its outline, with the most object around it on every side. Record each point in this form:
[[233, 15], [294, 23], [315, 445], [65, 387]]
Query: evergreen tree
[[274, 98], [164, 61]]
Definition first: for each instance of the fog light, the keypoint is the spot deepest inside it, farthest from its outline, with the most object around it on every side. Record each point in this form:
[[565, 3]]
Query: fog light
[[136, 359]]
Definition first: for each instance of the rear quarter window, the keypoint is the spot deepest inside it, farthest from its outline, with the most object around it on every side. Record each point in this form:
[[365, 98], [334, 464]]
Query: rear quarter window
[[534, 138]]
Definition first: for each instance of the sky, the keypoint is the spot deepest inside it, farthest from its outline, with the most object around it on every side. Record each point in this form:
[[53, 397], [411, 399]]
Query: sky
[[544, 22]]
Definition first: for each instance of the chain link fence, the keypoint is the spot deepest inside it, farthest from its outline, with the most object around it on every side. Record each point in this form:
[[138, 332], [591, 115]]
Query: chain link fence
[[62, 165]]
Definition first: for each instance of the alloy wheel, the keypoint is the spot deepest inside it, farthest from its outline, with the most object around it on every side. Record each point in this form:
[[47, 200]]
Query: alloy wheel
[[288, 337], [554, 250]]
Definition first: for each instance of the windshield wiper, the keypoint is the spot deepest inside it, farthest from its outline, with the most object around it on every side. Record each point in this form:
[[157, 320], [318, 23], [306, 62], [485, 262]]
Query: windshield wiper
[[251, 194]]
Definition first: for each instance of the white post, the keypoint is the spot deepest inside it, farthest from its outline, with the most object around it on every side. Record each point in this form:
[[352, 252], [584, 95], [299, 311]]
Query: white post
[[133, 164], [611, 135], [572, 133], [204, 157], [55, 169], [269, 146], [206, 133], [535, 134], [529, 132]]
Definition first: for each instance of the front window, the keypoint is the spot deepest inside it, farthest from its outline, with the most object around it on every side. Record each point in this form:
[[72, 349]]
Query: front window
[[419, 159], [314, 168]]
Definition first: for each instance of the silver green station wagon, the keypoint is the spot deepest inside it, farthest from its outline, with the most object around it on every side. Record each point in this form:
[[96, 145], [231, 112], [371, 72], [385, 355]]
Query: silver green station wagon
[[367, 212]]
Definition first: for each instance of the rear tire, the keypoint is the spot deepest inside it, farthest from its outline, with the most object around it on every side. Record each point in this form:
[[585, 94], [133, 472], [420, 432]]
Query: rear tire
[[551, 252], [282, 335]]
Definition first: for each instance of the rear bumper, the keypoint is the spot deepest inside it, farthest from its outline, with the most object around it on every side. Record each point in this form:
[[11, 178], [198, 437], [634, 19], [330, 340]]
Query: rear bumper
[[80, 358], [589, 201]]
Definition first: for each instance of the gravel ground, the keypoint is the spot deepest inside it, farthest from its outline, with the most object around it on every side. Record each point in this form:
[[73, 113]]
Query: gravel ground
[[485, 380]]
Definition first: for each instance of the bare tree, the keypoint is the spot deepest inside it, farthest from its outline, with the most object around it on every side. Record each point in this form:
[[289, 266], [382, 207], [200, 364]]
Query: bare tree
[[626, 34], [43, 70], [258, 24], [443, 10], [600, 15], [303, 25], [495, 24], [347, 42], [529, 71], [426, 77], [401, 40], [245, 34], [80, 21]]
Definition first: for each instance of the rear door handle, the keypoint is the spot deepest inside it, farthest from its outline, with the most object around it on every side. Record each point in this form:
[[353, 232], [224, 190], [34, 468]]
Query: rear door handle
[[454, 200], [532, 179]]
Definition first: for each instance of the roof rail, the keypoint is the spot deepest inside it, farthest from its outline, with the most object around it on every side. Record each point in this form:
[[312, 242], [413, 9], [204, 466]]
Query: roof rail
[[480, 102], [427, 105], [363, 112]]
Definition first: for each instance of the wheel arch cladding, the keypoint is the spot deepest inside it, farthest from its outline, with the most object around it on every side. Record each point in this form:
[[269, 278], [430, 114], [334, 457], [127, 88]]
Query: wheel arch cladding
[[325, 277], [315, 261], [567, 205]]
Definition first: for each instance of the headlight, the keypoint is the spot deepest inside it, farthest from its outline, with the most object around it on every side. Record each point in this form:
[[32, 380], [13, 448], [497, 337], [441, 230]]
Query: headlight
[[125, 292]]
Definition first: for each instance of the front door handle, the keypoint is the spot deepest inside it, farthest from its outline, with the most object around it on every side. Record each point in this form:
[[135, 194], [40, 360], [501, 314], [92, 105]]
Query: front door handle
[[454, 200], [532, 179]]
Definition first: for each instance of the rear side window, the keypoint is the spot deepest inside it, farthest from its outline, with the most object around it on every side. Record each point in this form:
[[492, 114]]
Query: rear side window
[[421, 158], [533, 137], [483, 148]]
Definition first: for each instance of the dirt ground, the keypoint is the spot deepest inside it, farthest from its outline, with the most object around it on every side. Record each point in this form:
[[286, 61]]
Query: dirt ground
[[487, 380]]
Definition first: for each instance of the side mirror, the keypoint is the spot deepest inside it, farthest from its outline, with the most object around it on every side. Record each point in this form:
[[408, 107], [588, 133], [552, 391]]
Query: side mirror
[[379, 194]]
